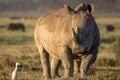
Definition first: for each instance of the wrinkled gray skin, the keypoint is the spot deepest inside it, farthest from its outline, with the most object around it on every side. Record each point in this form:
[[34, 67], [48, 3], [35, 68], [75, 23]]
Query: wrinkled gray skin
[[65, 35]]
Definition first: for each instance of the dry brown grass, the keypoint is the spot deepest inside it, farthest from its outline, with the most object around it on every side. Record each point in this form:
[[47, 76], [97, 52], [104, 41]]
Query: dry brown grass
[[24, 51]]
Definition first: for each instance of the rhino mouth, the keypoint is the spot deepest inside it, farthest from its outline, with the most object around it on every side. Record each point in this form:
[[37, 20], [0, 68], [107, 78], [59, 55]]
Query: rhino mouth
[[80, 49]]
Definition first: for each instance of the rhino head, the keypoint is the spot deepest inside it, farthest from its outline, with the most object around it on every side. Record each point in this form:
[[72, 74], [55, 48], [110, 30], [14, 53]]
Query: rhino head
[[82, 27]]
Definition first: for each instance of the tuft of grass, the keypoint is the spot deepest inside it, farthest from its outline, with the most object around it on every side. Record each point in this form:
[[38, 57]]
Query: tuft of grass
[[6, 61], [105, 62]]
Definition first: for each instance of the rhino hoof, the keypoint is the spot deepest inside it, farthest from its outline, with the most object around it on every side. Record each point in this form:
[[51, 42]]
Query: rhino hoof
[[46, 78], [75, 72], [84, 77], [56, 76]]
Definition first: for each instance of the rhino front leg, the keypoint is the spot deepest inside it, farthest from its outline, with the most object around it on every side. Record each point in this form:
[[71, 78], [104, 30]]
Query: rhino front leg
[[85, 64], [67, 60], [54, 67], [76, 66], [45, 64]]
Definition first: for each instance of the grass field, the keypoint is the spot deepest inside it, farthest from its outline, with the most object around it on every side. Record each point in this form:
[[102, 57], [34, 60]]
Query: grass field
[[18, 46]]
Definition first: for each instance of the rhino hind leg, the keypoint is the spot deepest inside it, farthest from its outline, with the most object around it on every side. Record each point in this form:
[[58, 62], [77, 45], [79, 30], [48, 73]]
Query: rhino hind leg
[[54, 67], [66, 57], [44, 56]]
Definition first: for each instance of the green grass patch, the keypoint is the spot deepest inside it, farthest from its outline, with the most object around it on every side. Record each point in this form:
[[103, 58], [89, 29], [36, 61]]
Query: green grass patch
[[110, 38], [16, 39]]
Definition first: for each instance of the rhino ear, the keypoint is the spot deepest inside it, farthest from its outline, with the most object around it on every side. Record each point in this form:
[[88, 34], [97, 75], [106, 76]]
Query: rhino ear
[[69, 10], [78, 7], [90, 8]]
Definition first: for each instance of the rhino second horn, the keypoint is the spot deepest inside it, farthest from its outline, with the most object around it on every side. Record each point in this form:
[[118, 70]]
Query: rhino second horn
[[74, 36]]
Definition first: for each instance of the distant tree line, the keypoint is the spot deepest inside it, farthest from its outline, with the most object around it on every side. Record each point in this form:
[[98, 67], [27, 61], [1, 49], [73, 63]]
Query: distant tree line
[[102, 6]]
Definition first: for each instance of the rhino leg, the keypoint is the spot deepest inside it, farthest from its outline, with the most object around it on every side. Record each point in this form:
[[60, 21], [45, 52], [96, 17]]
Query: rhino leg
[[76, 66], [45, 63], [67, 60], [54, 67], [85, 64]]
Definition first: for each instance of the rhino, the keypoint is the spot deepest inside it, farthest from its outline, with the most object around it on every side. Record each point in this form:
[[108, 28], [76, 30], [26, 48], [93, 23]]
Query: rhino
[[66, 35], [16, 26]]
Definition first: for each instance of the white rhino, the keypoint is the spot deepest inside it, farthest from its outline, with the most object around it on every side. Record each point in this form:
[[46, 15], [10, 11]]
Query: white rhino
[[65, 33]]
